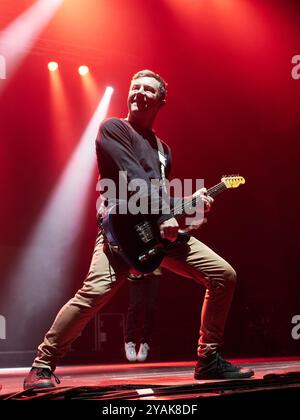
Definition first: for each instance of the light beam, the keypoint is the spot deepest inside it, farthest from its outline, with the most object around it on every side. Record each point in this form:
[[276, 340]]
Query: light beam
[[18, 38], [42, 273]]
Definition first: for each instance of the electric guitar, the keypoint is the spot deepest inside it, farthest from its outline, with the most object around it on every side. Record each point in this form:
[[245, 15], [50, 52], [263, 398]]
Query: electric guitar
[[136, 237]]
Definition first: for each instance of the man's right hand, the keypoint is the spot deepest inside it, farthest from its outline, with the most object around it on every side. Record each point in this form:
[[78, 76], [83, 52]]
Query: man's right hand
[[169, 229]]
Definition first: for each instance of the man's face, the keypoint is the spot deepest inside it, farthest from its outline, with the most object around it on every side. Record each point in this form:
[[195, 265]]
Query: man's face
[[144, 96]]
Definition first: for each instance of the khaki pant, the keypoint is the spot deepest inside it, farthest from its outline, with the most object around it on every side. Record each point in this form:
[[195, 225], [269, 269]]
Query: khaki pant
[[107, 272]]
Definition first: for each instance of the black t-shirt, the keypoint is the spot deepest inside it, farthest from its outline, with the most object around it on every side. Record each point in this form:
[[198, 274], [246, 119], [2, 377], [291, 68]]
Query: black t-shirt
[[124, 146]]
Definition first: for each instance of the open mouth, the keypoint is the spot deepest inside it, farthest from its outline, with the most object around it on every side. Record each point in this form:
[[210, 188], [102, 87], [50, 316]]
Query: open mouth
[[140, 104]]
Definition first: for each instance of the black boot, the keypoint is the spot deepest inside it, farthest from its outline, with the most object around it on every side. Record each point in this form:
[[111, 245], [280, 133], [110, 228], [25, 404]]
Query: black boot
[[40, 378], [214, 366]]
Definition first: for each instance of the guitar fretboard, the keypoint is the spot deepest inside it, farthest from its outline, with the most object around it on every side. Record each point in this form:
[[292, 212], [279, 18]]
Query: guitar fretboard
[[187, 206]]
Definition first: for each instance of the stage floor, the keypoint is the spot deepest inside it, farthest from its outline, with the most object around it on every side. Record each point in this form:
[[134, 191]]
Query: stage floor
[[172, 380]]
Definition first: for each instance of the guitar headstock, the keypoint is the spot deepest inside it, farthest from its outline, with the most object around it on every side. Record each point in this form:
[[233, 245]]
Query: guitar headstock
[[233, 181]]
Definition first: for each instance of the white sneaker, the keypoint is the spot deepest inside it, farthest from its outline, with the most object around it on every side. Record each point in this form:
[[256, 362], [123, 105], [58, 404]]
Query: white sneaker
[[143, 352], [130, 351]]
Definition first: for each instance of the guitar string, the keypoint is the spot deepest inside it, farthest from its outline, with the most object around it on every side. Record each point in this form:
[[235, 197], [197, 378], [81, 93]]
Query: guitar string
[[211, 192]]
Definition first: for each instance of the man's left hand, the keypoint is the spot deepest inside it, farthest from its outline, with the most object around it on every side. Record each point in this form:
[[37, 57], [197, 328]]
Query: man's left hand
[[207, 200]]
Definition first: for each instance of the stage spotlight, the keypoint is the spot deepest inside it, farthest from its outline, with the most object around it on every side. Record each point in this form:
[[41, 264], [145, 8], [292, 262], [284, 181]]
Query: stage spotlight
[[52, 65], [83, 70], [109, 90], [18, 38]]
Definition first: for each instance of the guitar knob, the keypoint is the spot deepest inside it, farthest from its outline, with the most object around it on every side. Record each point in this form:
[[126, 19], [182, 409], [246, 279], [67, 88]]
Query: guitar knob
[[152, 252]]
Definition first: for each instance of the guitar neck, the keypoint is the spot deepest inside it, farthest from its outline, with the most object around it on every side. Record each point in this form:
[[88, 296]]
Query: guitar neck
[[187, 205]]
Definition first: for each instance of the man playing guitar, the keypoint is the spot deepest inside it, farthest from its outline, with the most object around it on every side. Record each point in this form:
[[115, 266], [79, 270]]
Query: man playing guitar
[[130, 145]]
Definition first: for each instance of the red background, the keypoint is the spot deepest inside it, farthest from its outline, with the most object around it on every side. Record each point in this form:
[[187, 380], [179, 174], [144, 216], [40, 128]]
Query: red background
[[233, 107]]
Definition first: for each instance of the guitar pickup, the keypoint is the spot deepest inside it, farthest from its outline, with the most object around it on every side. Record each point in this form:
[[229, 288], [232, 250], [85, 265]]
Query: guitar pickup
[[147, 255]]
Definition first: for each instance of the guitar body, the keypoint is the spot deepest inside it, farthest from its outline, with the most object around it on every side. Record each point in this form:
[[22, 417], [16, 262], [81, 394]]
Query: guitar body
[[137, 239]]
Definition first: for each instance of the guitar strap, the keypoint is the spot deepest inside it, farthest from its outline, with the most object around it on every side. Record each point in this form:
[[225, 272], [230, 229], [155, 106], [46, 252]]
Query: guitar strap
[[163, 162], [161, 157]]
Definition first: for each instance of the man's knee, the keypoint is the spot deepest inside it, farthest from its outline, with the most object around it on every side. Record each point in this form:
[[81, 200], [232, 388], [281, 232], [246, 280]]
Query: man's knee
[[229, 276], [94, 291], [225, 281]]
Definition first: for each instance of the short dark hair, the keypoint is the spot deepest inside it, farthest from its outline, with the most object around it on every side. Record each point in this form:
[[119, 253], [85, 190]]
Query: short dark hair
[[162, 83]]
